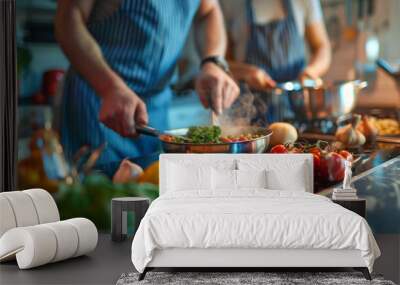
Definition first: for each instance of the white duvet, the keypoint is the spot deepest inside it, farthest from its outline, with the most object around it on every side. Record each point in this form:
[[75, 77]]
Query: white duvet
[[250, 219]]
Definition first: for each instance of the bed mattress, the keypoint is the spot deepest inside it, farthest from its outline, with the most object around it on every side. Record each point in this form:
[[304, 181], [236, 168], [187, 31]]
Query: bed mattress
[[250, 219]]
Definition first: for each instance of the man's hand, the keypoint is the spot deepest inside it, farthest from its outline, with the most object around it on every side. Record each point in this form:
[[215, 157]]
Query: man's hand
[[215, 88], [121, 109], [310, 74], [256, 78]]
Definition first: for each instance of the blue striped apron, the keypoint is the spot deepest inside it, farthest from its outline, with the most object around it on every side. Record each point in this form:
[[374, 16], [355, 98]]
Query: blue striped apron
[[141, 41], [277, 48]]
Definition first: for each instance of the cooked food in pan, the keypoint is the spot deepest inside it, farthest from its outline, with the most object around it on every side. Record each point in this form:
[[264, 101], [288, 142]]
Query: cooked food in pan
[[209, 134]]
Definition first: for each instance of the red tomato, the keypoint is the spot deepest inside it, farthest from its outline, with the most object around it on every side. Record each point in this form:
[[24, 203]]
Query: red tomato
[[346, 155], [279, 148], [335, 163], [315, 150], [296, 150], [224, 139], [317, 164], [323, 172], [167, 138]]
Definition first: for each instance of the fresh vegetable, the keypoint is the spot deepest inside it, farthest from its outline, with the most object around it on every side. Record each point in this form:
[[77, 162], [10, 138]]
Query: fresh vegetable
[[315, 150], [282, 133], [335, 166], [296, 150], [91, 198], [368, 129], [208, 134], [280, 148], [350, 136], [316, 162], [346, 155], [150, 174], [328, 161]]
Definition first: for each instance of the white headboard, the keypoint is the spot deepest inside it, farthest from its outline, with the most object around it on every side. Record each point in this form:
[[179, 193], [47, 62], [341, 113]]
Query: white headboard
[[271, 159]]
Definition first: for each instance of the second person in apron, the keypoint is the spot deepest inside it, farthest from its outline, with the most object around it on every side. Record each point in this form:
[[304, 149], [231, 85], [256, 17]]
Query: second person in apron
[[267, 45]]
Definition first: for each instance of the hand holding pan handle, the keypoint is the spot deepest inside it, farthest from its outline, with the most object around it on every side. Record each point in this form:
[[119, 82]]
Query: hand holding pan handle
[[149, 131], [146, 130]]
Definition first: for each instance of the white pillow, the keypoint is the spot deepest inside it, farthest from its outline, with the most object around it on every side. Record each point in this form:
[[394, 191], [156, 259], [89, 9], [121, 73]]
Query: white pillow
[[224, 179], [293, 180], [183, 177], [251, 179]]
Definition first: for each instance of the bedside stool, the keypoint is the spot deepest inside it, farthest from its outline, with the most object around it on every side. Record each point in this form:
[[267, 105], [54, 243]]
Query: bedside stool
[[119, 208], [357, 206]]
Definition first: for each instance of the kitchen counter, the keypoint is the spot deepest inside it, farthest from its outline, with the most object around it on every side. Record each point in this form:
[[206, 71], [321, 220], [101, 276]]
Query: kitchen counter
[[377, 179]]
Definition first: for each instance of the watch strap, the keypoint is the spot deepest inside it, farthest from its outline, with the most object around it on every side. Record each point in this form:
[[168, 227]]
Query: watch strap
[[217, 60]]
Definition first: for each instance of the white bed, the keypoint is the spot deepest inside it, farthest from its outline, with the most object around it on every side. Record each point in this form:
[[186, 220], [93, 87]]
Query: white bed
[[203, 220]]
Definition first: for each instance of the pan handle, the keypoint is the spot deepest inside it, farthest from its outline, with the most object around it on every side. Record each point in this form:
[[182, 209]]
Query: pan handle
[[146, 130]]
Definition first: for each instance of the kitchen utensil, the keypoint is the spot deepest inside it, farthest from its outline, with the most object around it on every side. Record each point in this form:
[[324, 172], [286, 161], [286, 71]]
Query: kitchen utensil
[[258, 145], [389, 69], [146, 130], [297, 85], [214, 119], [328, 100]]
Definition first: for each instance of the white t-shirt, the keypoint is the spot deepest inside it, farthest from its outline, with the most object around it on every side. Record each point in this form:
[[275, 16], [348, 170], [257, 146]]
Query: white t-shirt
[[305, 12]]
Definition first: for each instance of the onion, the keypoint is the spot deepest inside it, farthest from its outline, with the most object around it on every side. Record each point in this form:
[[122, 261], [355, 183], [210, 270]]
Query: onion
[[282, 133], [350, 136]]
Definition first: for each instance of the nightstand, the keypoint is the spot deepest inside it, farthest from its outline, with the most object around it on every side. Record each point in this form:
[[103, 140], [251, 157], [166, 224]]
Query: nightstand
[[119, 208], [357, 206]]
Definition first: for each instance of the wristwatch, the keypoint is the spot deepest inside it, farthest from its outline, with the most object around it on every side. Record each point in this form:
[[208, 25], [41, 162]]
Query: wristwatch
[[218, 60]]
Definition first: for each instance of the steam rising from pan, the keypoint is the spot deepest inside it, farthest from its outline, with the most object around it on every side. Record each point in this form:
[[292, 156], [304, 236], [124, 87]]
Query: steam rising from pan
[[248, 110]]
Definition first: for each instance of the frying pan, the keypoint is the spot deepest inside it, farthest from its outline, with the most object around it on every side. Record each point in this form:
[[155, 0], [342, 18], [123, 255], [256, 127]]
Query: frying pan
[[257, 145]]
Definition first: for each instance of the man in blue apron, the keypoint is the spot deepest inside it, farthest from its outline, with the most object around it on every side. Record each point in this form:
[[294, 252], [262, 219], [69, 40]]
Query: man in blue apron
[[267, 40], [123, 55]]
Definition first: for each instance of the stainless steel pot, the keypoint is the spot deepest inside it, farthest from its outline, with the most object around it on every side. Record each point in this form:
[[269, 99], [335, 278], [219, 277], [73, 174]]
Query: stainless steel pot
[[258, 145], [311, 101]]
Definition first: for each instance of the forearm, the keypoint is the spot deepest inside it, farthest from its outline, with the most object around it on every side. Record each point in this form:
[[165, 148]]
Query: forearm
[[320, 46], [238, 69], [210, 30], [320, 61], [83, 51]]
